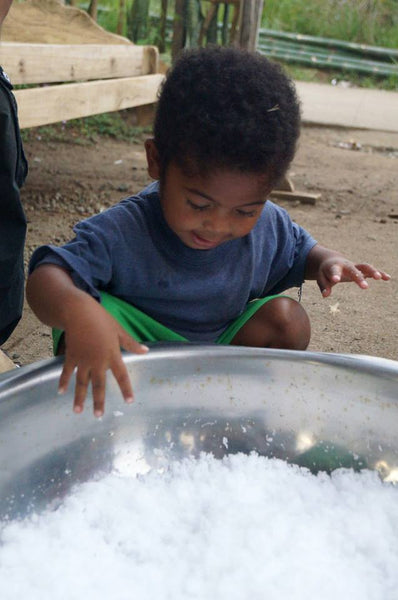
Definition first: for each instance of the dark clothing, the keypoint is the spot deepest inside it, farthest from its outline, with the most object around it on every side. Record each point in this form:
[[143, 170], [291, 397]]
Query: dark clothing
[[13, 171], [130, 252]]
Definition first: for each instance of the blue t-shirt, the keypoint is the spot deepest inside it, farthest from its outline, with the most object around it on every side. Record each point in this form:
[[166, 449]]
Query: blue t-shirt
[[130, 252]]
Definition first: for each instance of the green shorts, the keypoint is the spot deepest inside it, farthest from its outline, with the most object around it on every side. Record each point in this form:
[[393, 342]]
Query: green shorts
[[143, 328]]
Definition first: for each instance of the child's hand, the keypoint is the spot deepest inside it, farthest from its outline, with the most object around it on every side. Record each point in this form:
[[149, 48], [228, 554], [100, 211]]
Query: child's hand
[[93, 341], [336, 269], [93, 337]]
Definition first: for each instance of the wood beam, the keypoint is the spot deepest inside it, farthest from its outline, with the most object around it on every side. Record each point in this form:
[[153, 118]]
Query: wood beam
[[50, 63], [51, 104]]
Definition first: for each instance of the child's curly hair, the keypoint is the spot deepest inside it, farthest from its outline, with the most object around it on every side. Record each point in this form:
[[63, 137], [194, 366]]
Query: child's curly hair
[[227, 108]]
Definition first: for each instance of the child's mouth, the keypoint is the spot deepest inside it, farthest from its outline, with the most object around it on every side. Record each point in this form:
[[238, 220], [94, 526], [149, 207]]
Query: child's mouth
[[204, 243]]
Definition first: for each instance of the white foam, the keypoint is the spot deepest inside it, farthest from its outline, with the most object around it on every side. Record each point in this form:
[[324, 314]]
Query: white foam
[[245, 528]]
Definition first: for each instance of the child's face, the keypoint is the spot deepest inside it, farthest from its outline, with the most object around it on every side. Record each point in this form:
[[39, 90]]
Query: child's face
[[206, 211]]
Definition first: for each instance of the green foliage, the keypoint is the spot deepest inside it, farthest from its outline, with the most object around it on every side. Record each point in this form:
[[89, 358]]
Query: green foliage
[[108, 124], [86, 131], [373, 22], [108, 11]]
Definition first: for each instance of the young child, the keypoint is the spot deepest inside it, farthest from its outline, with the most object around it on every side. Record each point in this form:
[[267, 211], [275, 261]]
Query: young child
[[13, 170], [201, 254]]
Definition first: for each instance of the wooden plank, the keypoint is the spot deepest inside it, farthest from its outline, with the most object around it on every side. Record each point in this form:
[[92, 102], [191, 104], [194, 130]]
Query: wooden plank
[[49, 63], [151, 61], [285, 184], [303, 197], [51, 104]]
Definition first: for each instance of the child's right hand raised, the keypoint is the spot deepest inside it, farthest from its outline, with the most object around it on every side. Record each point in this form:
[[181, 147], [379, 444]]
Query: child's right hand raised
[[93, 337], [93, 340]]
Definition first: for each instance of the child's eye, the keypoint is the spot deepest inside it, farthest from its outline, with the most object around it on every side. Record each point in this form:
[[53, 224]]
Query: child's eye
[[197, 206], [244, 213]]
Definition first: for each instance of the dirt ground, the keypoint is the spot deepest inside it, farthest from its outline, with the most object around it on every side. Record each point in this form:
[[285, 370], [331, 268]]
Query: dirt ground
[[355, 171]]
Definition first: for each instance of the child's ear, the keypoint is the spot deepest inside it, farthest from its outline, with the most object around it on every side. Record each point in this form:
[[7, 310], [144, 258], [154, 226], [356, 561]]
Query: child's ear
[[152, 157]]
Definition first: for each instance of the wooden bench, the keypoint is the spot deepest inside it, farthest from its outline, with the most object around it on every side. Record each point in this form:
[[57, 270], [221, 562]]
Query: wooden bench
[[74, 67], [78, 80]]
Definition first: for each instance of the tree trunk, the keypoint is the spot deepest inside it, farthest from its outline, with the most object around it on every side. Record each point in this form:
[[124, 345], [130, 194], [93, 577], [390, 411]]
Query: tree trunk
[[225, 26], [162, 26], [120, 21], [178, 29], [212, 31], [138, 20], [250, 19], [93, 9]]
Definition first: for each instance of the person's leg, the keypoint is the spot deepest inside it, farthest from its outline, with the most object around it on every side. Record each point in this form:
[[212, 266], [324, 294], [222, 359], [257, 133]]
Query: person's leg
[[279, 323], [13, 170]]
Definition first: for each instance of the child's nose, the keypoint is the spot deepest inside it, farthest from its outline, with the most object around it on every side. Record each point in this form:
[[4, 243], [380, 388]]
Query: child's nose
[[216, 223]]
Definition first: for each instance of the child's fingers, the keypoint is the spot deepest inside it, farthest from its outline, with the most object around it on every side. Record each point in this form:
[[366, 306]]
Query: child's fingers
[[98, 385], [81, 385], [119, 370], [66, 374], [351, 272], [385, 276], [121, 375], [326, 291], [334, 273], [131, 345], [370, 271], [324, 285]]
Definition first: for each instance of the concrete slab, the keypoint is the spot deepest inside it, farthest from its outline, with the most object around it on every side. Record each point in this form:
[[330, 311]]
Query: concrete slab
[[358, 108]]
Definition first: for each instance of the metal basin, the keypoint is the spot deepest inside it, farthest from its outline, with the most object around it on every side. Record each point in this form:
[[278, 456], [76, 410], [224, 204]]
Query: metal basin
[[322, 411]]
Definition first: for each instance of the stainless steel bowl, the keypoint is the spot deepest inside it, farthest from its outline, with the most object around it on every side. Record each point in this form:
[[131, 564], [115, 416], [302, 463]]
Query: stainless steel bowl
[[322, 411]]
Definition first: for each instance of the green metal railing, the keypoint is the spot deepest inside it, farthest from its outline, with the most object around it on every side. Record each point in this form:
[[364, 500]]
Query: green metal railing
[[328, 53]]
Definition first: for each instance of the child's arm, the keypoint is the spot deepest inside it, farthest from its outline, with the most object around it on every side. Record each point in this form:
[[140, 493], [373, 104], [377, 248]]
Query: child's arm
[[329, 267], [93, 337]]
